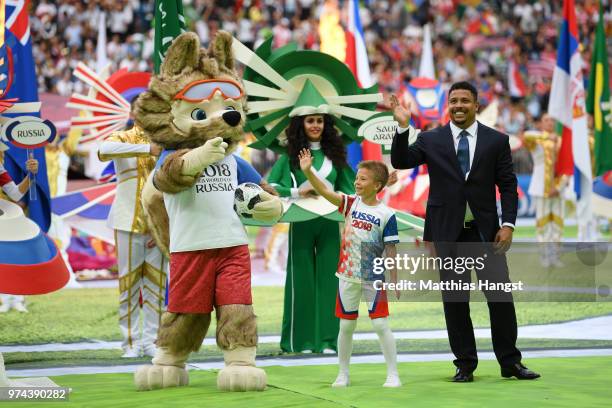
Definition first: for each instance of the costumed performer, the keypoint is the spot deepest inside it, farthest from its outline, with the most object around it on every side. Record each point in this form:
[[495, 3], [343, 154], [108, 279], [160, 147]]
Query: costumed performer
[[30, 264], [309, 323], [296, 101], [12, 191], [546, 189], [142, 266], [194, 110]]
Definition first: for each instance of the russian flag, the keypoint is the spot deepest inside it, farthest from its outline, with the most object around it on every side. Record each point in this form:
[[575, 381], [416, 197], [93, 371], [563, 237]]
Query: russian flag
[[567, 105], [356, 52], [30, 263], [602, 195], [516, 85], [357, 60], [92, 203]]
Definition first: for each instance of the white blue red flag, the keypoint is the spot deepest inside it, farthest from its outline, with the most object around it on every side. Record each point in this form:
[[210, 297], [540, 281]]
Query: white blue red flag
[[357, 60], [356, 51], [567, 105], [93, 203], [30, 262]]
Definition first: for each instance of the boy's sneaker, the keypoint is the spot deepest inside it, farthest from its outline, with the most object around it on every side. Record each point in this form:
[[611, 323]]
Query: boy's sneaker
[[393, 381], [341, 381], [4, 307]]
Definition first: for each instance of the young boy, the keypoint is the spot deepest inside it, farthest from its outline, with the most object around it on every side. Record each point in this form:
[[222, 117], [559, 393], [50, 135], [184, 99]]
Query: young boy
[[370, 227]]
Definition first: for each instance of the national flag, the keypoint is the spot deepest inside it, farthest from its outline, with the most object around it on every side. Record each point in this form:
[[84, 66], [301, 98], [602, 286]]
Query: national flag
[[482, 24], [602, 195], [356, 51], [541, 68], [169, 24], [24, 87], [567, 105], [108, 174], [101, 57], [598, 100], [92, 203], [30, 262], [411, 192], [357, 60], [516, 85], [427, 68]]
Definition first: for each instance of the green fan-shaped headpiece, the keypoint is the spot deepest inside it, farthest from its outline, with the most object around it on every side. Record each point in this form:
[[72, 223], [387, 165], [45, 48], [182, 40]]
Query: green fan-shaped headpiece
[[288, 82]]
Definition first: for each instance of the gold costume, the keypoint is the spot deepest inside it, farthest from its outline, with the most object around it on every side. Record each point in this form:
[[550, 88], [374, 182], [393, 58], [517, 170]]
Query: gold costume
[[142, 270], [545, 190]]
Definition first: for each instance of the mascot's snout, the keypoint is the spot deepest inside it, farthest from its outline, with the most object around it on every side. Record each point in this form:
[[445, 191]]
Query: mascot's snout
[[232, 118]]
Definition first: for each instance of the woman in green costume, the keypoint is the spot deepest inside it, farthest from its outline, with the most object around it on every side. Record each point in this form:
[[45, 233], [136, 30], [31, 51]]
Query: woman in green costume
[[309, 321]]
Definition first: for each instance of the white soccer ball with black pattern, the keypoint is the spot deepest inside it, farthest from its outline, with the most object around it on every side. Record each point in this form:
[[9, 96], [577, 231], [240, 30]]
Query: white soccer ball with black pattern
[[246, 196]]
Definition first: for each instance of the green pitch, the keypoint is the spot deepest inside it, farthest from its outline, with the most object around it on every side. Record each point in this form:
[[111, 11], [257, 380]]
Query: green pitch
[[85, 314], [566, 382]]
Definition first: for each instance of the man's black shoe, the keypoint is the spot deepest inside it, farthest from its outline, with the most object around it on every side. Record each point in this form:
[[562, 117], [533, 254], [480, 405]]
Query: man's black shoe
[[519, 371], [463, 376]]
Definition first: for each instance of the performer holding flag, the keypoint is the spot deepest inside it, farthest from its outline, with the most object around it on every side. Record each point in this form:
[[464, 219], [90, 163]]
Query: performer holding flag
[[14, 192], [22, 85]]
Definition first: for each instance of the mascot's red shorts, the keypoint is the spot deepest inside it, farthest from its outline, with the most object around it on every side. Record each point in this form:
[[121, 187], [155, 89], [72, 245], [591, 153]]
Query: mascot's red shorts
[[201, 279]]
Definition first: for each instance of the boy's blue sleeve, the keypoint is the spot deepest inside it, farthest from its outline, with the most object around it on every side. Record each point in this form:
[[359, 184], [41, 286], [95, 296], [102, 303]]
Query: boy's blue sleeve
[[390, 235], [246, 172]]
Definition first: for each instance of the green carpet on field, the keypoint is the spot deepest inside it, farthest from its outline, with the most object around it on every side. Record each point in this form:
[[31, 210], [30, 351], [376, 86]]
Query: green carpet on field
[[566, 382], [53, 318]]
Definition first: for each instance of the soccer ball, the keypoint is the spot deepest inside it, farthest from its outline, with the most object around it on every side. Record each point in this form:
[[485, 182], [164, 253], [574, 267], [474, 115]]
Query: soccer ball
[[246, 196]]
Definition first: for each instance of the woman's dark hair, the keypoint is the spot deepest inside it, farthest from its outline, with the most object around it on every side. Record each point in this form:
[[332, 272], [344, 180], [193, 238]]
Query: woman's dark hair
[[331, 142]]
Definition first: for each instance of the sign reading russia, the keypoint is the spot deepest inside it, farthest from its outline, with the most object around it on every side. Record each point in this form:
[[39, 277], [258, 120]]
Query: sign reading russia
[[379, 129], [29, 132]]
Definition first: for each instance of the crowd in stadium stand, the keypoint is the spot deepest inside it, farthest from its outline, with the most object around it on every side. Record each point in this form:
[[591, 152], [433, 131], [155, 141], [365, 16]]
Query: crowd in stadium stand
[[473, 39]]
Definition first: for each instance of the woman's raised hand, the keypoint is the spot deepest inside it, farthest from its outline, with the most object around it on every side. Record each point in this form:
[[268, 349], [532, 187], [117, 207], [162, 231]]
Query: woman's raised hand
[[305, 159]]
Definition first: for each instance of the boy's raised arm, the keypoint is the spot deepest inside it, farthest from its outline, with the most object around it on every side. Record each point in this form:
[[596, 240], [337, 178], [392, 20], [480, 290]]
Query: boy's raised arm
[[317, 184]]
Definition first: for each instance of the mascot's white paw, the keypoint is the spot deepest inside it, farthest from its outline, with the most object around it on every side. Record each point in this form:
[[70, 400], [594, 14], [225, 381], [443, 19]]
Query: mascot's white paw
[[269, 209], [242, 378], [152, 377]]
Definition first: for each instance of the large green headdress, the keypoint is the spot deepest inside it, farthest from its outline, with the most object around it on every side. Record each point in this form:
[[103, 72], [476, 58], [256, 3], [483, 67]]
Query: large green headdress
[[286, 82]]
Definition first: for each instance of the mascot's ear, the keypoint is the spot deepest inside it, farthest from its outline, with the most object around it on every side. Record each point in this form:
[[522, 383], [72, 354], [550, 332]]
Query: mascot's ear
[[221, 50], [183, 53]]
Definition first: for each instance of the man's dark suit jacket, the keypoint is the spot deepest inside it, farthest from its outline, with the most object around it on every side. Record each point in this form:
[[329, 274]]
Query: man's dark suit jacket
[[449, 191]]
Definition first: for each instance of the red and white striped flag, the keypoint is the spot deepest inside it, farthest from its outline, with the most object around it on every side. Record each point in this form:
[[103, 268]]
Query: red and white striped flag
[[516, 85]]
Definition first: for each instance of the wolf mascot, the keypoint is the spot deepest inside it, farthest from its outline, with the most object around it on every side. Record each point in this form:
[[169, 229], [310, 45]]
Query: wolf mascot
[[194, 109]]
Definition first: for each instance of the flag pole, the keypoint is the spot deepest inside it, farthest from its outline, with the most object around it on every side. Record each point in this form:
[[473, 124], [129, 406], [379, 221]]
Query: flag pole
[[31, 176]]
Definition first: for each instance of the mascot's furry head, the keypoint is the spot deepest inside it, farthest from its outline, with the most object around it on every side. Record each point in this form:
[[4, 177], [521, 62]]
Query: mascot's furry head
[[197, 96]]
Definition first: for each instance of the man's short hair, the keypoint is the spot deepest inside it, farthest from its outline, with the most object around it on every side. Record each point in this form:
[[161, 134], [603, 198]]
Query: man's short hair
[[378, 169], [464, 85]]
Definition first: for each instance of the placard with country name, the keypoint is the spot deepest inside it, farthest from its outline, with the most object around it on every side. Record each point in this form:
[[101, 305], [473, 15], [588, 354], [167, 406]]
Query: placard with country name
[[379, 129], [28, 132]]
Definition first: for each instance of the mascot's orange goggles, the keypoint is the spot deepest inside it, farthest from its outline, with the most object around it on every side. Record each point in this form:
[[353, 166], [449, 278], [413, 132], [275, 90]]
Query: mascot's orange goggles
[[205, 89]]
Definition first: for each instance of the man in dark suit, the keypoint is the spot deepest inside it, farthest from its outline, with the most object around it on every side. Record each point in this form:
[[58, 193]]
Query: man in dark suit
[[466, 160]]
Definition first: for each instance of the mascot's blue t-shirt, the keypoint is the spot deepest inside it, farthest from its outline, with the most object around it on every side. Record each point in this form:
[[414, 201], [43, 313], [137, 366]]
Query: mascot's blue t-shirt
[[203, 216]]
